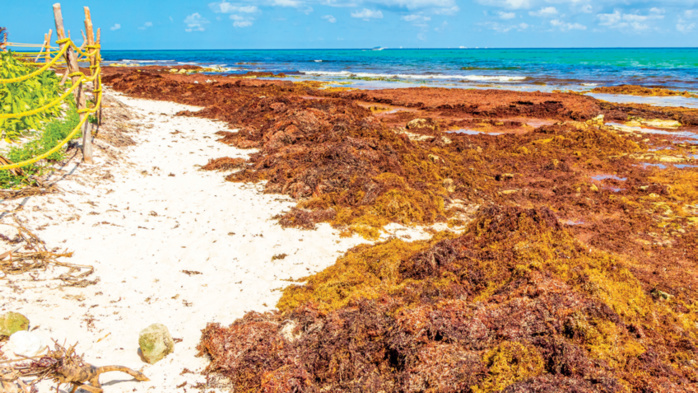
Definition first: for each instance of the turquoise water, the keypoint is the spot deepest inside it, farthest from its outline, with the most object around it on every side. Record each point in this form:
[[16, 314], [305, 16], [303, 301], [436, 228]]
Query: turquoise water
[[542, 69]]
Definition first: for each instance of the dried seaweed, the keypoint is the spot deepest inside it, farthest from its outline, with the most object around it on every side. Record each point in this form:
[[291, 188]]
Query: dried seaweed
[[515, 303], [63, 366], [578, 274], [32, 255]]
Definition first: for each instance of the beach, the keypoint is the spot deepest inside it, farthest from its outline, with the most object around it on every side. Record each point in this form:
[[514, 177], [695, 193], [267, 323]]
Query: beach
[[143, 217], [489, 218]]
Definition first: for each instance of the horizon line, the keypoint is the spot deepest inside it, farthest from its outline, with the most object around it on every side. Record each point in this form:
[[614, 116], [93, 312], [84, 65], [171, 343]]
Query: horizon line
[[447, 48]]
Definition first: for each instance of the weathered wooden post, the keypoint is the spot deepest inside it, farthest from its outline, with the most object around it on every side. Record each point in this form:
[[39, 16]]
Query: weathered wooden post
[[43, 48], [99, 80], [3, 38], [73, 67], [48, 45], [89, 30]]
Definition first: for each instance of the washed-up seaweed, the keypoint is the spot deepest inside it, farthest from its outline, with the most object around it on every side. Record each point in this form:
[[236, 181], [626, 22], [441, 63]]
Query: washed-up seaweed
[[61, 365], [514, 304], [30, 254], [576, 275]]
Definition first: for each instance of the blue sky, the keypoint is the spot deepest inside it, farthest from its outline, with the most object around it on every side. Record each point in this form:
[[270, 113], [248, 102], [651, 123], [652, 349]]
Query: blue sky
[[248, 24]]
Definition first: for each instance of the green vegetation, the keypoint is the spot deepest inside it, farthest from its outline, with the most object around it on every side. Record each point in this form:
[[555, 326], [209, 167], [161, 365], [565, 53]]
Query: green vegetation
[[53, 132], [23, 96]]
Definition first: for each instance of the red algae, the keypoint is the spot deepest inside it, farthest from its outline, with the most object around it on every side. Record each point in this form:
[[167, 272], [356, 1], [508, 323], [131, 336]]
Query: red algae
[[517, 301], [641, 91]]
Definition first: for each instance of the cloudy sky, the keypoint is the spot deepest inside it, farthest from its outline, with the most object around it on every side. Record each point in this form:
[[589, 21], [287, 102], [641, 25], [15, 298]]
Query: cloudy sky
[[247, 24]]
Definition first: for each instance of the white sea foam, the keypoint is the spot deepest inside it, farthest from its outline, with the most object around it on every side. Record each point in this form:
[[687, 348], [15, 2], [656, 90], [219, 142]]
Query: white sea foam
[[473, 78], [487, 78], [146, 61]]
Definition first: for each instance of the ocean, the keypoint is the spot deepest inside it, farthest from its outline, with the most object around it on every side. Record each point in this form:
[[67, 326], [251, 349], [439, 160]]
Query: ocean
[[526, 69]]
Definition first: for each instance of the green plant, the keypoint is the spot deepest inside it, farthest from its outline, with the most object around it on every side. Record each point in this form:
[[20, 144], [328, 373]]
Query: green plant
[[23, 96], [53, 132]]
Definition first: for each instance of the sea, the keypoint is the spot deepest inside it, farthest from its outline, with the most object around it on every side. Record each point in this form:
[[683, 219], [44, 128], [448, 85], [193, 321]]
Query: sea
[[573, 69]]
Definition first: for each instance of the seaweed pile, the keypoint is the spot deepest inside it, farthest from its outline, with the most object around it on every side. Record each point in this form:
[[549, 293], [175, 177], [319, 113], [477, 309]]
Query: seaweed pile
[[641, 91], [578, 272], [514, 304]]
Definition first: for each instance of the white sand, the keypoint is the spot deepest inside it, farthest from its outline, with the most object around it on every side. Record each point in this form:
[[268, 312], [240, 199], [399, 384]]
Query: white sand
[[141, 227]]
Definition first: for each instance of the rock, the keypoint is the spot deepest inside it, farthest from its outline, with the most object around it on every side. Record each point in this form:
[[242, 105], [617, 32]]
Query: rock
[[578, 125], [661, 294], [449, 185], [657, 123], [421, 124], [12, 322], [28, 344], [598, 120], [670, 159], [155, 343]]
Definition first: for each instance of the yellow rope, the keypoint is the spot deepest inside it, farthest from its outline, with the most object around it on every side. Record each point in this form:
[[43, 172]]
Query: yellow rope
[[91, 52], [37, 72], [43, 108], [57, 147]]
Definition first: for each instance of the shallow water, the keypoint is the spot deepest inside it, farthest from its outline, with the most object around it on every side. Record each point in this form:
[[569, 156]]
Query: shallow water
[[691, 137], [525, 69], [472, 132], [604, 177], [647, 164], [656, 101]]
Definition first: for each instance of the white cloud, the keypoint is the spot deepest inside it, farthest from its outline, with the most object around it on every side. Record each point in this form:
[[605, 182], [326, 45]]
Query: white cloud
[[195, 22], [442, 27], [230, 8], [416, 18], [286, 3], [502, 28], [330, 18], [367, 14], [565, 26], [241, 21], [116, 26], [146, 25], [685, 23], [506, 15], [241, 14], [415, 4], [510, 4], [437, 7], [626, 21], [685, 27], [546, 12]]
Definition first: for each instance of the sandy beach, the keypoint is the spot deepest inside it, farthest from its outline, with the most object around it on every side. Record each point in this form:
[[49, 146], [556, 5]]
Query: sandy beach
[[500, 228], [169, 243]]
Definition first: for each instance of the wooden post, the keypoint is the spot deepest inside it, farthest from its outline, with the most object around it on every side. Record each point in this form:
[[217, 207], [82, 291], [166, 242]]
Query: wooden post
[[43, 46], [89, 41], [99, 80], [72, 64], [48, 45], [3, 38]]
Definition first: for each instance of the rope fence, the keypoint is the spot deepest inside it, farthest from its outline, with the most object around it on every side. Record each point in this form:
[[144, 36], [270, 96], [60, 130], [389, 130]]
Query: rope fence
[[48, 60]]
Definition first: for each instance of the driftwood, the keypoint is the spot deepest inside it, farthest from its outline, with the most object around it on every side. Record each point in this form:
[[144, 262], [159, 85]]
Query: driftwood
[[36, 256], [62, 365]]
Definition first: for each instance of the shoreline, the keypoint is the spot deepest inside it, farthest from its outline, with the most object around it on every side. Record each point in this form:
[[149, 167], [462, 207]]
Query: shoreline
[[125, 189], [142, 218], [525, 69]]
